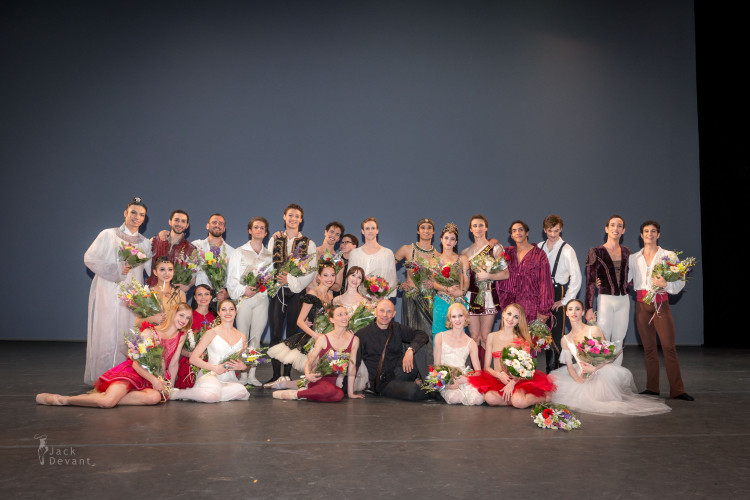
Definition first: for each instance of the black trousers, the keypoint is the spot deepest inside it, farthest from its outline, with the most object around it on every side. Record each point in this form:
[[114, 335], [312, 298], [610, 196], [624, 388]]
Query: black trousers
[[557, 325], [284, 307]]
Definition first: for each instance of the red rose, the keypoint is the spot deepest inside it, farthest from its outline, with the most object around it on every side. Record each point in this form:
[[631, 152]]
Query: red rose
[[432, 369], [547, 413], [261, 288], [447, 272]]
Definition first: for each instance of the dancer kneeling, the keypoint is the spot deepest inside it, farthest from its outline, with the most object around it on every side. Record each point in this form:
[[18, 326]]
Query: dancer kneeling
[[452, 348], [339, 342], [607, 389], [217, 381], [499, 387], [129, 383]]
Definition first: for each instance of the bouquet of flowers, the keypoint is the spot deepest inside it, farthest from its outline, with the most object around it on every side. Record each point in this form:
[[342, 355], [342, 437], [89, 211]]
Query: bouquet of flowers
[[215, 268], [333, 363], [519, 361], [549, 416], [147, 351], [140, 299], [596, 352], [262, 279], [296, 265], [185, 268], [672, 269], [421, 272], [491, 265], [250, 356], [439, 376], [192, 338], [131, 255], [446, 275], [541, 336], [360, 318], [376, 286], [337, 260]]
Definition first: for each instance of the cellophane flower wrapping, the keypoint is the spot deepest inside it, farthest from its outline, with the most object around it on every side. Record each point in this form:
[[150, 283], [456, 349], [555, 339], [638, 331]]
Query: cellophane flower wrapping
[[140, 299], [672, 269], [439, 376], [131, 255], [491, 265], [332, 363], [377, 287], [519, 361], [541, 336]]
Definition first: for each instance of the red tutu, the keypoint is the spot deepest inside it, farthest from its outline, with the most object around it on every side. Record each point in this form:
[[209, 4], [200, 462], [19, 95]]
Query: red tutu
[[539, 385]]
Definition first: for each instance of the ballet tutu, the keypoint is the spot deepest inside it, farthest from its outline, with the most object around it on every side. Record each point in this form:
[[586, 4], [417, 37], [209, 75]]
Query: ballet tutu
[[539, 385], [291, 351]]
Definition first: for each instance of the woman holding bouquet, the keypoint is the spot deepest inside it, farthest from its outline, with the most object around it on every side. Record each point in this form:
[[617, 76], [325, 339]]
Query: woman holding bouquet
[[452, 348], [292, 350], [453, 265], [606, 389], [499, 386], [373, 258], [203, 317], [351, 299], [482, 294], [217, 381], [169, 295], [607, 273], [129, 383], [324, 388]]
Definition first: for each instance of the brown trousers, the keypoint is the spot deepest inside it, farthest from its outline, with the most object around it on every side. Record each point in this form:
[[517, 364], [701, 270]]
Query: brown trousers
[[663, 326]]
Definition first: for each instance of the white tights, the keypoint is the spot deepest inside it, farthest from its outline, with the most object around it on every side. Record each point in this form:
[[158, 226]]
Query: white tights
[[613, 314]]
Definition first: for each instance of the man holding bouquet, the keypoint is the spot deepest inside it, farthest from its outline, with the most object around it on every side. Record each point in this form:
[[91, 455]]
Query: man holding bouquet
[[655, 318], [171, 245], [286, 305], [214, 243]]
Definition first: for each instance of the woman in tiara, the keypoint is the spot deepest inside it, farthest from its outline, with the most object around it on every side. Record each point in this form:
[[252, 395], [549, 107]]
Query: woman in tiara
[[456, 265]]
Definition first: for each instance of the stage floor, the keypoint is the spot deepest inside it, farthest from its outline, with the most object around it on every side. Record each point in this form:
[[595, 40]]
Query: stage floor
[[370, 448]]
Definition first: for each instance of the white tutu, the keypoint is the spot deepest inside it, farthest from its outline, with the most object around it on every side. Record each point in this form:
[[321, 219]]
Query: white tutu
[[608, 391]]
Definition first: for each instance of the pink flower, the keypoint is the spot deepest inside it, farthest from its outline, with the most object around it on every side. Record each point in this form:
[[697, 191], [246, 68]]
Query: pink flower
[[373, 288], [605, 351], [133, 251], [591, 342], [595, 350]]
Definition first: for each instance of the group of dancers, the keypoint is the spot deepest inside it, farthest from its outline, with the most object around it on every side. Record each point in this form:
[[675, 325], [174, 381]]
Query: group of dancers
[[522, 282]]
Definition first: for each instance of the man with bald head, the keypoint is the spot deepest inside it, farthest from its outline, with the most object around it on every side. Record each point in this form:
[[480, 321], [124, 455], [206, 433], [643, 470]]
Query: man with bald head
[[392, 371]]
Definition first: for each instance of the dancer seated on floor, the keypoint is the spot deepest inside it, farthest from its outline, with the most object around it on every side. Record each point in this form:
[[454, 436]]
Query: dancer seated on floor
[[292, 350], [325, 388], [217, 380], [129, 383], [607, 389], [452, 348], [499, 387]]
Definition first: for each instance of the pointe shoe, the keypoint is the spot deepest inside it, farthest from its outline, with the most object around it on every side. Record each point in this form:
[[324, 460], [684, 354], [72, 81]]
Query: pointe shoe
[[271, 383], [48, 399], [286, 394]]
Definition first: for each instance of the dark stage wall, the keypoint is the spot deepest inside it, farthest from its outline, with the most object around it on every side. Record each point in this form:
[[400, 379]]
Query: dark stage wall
[[397, 110]]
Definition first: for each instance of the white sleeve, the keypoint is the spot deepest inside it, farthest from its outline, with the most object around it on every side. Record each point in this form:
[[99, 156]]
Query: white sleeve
[[299, 284], [101, 257], [234, 273], [574, 285]]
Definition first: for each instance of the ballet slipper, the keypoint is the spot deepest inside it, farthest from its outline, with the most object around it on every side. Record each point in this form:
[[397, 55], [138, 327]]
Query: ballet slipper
[[48, 399], [285, 394]]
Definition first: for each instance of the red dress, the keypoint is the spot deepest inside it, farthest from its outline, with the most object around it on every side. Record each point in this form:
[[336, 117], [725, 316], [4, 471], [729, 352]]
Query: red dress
[[185, 376], [124, 372], [539, 385], [325, 389]]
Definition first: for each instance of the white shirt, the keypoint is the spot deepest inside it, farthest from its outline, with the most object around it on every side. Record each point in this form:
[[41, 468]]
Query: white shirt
[[243, 260], [568, 269], [203, 245], [295, 284], [640, 272], [382, 263]]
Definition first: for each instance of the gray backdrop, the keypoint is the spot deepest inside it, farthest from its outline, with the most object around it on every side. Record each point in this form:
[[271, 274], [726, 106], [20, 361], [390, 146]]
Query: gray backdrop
[[395, 110]]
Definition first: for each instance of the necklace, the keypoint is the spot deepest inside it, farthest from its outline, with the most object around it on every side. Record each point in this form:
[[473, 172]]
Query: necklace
[[430, 250]]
